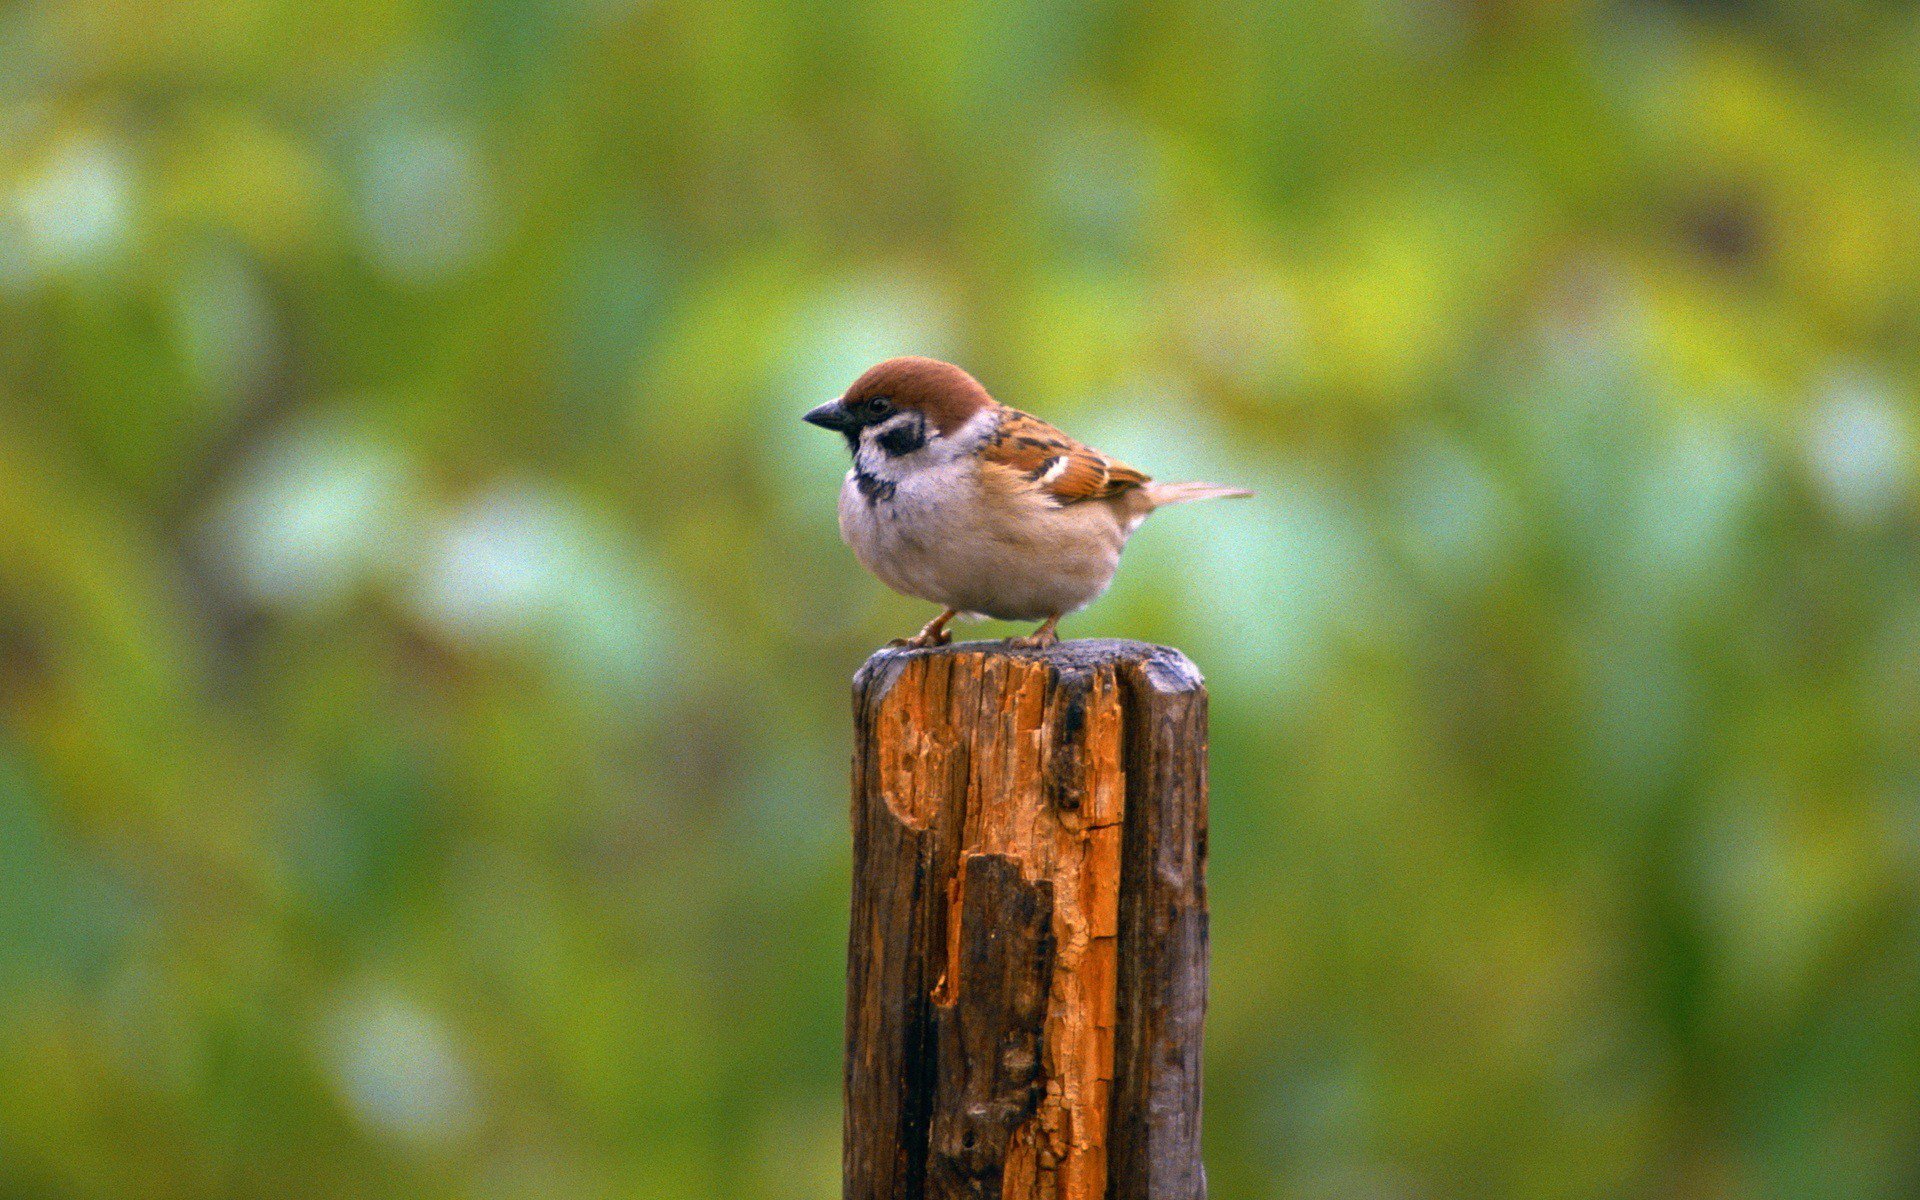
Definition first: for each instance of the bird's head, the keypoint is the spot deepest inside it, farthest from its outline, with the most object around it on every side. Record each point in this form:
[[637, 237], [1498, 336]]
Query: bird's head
[[905, 400]]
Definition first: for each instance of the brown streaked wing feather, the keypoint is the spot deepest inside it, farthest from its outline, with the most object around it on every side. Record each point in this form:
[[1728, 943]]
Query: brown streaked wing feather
[[1032, 447]]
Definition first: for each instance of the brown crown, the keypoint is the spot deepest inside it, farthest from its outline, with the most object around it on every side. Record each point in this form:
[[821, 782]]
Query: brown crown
[[945, 393]]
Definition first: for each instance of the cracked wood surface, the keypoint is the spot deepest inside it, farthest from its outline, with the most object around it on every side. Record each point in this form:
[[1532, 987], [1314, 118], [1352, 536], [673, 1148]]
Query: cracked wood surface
[[1027, 956]]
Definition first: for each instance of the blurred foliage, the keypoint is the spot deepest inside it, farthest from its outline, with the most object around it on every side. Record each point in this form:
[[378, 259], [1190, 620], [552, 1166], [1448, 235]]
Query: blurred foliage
[[424, 638]]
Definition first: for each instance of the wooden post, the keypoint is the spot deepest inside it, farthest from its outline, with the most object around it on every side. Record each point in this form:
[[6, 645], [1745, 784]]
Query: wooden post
[[1027, 964]]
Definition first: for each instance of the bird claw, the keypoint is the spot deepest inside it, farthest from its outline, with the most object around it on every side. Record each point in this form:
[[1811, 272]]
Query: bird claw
[[1039, 639], [921, 640]]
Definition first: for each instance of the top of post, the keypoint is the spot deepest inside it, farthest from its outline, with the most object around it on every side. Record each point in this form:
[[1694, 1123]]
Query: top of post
[[1161, 668]]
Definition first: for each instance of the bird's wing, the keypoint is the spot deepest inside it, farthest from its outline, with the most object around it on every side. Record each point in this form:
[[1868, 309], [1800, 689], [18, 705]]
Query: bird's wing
[[1066, 471]]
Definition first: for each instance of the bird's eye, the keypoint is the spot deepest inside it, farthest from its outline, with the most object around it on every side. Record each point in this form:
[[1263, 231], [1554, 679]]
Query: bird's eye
[[879, 406]]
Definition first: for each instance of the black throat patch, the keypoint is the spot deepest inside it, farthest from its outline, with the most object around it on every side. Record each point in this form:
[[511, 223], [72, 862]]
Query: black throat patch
[[874, 488]]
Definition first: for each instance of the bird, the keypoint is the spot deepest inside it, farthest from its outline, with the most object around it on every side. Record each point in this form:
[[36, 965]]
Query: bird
[[985, 510]]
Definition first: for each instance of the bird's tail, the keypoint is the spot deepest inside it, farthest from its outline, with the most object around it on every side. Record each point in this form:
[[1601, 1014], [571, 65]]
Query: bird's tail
[[1163, 494]]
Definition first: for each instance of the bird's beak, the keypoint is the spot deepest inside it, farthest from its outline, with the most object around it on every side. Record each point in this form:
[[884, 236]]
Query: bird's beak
[[831, 415]]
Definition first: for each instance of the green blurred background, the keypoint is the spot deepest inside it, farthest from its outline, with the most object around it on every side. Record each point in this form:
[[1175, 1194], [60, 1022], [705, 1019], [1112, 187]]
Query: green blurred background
[[424, 638]]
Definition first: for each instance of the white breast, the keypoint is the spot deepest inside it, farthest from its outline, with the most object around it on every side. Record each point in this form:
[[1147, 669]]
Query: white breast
[[926, 528]]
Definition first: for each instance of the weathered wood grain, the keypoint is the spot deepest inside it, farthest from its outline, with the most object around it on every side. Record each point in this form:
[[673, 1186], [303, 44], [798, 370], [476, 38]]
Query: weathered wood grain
[[1027, 956]]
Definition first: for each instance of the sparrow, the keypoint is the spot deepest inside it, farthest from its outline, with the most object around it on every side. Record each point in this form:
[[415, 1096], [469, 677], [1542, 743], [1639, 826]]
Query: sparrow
[[980, 508]]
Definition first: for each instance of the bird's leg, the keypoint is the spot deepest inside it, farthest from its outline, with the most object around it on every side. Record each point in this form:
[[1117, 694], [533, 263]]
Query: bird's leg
[[935, 633], [1040, 638]]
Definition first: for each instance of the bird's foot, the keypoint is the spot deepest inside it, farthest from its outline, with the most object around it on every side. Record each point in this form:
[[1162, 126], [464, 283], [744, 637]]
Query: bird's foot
[[1039, 639], [935, 634], [920, 641]]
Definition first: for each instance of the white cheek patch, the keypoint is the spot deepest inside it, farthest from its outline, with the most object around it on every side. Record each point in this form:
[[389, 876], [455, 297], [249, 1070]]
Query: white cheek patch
[[873, 437], [935, 449], [884, 447], [896, 421]]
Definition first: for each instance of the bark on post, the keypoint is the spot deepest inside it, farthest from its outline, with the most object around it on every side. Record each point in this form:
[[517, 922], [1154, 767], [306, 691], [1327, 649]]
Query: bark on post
[[1027, 963]]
